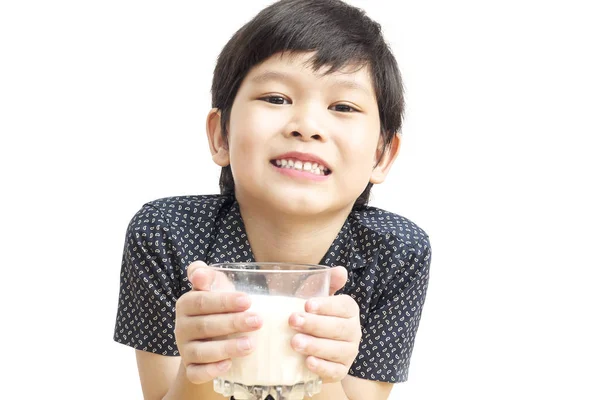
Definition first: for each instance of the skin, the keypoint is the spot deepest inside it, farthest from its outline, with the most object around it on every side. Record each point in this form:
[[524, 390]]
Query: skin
[[308, 112]]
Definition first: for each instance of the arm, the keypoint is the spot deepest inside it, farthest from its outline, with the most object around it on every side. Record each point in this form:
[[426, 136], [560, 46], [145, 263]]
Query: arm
[[153, 318], [399, 307], [163, 378], [356, 388], [202, 316], [331, 336], [157, 373], [352, 388]]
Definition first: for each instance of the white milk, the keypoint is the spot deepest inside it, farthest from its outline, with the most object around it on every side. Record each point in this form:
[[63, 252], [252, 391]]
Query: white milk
[[273, 361]]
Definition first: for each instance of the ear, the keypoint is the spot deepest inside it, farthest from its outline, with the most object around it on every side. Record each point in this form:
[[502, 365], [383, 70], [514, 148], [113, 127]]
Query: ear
[[387, 159], [218, 147]]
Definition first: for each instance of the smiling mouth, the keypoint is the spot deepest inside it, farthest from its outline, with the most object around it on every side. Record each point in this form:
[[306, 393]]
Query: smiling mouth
[[305, 166]]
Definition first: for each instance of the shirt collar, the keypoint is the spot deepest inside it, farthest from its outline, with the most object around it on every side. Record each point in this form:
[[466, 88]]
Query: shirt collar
[[230, 242]]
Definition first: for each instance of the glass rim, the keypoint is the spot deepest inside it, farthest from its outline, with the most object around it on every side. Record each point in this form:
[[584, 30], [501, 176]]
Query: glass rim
[[313, 267]]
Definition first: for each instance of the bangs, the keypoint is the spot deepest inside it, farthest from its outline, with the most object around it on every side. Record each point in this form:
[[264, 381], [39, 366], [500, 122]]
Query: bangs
[[333, 30]]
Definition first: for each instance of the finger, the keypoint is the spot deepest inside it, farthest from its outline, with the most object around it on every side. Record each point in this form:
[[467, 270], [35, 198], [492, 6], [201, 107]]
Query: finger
[[194, 266], [199, 374], [200, 276], [211, 351], [312, 286], [345, 329], [326, 349], [203, 303], [339, 276], [327, 370], [212, 326], [221, 282], [341, 305]]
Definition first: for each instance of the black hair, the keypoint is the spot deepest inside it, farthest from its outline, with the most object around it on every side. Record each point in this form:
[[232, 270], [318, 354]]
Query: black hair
[[339, 34]]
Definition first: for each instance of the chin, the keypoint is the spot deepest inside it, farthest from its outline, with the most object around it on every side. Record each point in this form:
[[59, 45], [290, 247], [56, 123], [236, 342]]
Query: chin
[[295, 201], [304, 204], [302, 208]]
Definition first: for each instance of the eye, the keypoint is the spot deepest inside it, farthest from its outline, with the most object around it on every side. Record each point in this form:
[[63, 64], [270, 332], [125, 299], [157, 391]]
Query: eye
[[274, 99], [344, 108]]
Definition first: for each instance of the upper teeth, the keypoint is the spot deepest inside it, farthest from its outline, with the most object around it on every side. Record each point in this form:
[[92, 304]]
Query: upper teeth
[[308, 166]]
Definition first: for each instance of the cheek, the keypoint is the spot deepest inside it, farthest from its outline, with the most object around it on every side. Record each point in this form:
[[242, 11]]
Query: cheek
[[358, 150], [360, 172], [242, 133], [253, 125], [249, 136], [359, 146]]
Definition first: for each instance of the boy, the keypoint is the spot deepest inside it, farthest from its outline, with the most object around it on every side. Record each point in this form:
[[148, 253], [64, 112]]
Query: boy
[[307, 103]]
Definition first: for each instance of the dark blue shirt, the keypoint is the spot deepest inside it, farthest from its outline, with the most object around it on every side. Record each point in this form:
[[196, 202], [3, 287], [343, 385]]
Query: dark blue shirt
[[386, 255]]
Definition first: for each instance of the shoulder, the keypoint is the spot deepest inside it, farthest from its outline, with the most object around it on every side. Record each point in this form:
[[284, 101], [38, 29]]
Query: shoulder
[[386, 238], [179, 211], [387, 226]]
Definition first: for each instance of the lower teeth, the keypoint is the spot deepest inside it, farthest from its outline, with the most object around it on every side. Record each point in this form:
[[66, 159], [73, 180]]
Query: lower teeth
[[302, 170]]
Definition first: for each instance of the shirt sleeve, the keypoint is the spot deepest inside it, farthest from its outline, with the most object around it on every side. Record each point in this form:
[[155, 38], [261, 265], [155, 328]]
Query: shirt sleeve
[[389, 330], [148, 288]]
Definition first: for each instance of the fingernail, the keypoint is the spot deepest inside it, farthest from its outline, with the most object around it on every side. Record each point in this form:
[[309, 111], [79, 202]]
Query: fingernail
[[252, 321], [300, 342], [313, 305], [223, 365], [244, 344], [312, 363], [298, 321], [242, 302]]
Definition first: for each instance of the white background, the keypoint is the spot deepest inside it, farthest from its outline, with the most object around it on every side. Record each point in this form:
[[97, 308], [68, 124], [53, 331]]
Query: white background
[[103, 106]]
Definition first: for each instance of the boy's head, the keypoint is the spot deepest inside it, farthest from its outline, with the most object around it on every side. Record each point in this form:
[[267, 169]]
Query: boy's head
[[276, 89]]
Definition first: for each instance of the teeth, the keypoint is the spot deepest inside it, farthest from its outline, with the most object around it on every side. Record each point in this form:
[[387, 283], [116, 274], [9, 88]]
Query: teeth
[[307, 166]]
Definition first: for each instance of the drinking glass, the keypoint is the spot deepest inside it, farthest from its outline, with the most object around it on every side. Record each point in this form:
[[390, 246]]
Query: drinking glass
[[276, 290]]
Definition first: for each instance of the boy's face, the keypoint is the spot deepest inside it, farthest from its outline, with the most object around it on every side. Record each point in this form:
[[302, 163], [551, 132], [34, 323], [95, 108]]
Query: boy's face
[[282, 106]]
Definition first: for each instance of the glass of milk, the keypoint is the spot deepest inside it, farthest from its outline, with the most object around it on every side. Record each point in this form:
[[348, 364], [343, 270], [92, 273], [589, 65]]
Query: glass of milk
[[277, 290]]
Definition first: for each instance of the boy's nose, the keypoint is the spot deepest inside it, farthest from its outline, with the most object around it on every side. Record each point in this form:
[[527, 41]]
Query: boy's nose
[[306, 137], [305, 124]]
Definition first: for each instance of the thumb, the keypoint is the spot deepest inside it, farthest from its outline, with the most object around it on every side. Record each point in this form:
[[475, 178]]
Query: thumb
[[202, 279], [339, 276]]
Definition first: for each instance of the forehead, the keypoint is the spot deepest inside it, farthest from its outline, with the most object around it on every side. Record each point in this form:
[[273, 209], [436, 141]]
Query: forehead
[[298, 67]]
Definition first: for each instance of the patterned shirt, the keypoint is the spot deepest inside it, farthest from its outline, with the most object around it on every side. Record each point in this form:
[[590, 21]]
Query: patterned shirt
[[386, 255]]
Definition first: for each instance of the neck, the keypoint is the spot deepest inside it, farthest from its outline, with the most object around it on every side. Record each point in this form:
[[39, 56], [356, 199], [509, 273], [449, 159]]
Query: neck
[[303, 240]]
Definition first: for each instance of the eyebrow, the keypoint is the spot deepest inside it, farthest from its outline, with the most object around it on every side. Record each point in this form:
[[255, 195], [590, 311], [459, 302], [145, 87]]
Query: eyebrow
[[268, 76]]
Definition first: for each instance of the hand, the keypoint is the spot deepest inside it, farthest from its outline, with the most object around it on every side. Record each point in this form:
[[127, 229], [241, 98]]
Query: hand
[[330, 331], [202, 316]]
